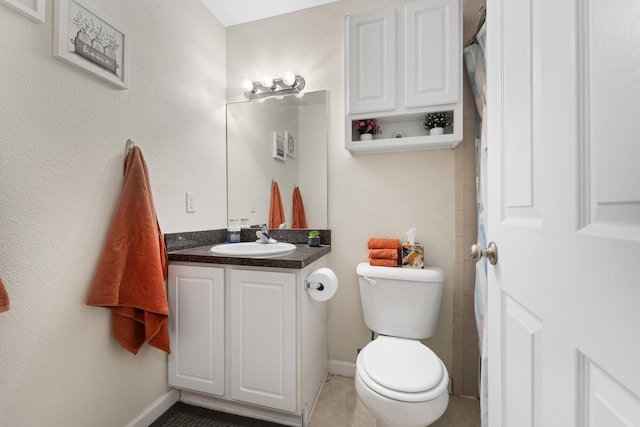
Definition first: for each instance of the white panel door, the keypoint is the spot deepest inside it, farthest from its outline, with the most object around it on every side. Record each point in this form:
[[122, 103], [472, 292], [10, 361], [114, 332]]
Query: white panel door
[[564, 210], [263, 338], [196, 327], [371, 61], [432, 52]]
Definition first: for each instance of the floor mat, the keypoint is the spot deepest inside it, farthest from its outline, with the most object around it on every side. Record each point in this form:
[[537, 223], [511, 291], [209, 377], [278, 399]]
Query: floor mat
[[183, 415]]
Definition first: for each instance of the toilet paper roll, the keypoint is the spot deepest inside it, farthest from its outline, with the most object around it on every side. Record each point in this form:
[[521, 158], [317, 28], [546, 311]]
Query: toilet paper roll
[[322, 284]]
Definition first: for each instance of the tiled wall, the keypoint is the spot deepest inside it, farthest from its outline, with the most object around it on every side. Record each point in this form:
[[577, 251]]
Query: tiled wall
[[465, 338]]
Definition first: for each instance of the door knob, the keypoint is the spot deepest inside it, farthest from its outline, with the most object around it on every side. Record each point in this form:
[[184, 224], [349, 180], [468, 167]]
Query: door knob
[[491, 253]]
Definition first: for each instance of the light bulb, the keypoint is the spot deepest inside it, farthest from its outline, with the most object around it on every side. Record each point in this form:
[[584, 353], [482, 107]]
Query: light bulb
[[289, 78], [267, 82], [247, 85]]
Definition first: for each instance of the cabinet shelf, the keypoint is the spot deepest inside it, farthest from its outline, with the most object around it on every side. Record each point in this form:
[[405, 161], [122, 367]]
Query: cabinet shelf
[[412, 143]]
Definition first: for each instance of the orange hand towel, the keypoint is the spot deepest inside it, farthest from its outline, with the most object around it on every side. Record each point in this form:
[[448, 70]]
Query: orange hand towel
[[299, 217], [276, 211], [383, 262], [382, 243], [4, 298], [383, 254], [133, 267]]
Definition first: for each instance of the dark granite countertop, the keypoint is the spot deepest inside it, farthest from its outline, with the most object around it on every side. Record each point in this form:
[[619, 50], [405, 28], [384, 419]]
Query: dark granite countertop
[[302, 257], [194, 247]]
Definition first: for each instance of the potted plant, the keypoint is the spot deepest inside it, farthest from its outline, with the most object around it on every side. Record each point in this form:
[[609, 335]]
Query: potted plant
[[314, 238], [366, 128], [436, 122]]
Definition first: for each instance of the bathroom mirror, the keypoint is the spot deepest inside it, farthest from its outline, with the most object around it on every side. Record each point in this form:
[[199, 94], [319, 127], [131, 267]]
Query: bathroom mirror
[[283, 140]]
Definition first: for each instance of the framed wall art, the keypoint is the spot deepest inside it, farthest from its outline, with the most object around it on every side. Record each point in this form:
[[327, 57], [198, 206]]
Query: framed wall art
[[88, 41], [291, 144], [32, 9], [279, 149]]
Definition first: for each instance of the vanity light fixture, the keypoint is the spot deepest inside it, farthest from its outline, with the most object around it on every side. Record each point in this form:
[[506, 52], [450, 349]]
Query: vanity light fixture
[[290, 83]]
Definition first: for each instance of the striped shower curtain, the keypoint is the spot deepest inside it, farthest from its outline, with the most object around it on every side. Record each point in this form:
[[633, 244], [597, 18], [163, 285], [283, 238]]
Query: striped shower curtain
[[474, 59]]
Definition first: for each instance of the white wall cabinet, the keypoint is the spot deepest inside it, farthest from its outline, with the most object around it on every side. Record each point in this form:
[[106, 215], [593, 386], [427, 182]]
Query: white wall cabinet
[[402, 62], [263, 338], [371, 37], [248, 340], [196, 327]]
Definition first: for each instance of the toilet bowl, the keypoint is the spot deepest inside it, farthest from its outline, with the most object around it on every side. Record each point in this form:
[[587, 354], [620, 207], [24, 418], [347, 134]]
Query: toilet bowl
[[402, 382], [399, 379]]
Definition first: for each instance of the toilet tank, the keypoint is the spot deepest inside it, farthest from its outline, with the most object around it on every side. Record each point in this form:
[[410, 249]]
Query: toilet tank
[[401, 302]]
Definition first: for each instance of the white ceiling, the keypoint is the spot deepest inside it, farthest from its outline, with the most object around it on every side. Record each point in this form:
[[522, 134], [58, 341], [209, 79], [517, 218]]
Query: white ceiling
[[232, 12]]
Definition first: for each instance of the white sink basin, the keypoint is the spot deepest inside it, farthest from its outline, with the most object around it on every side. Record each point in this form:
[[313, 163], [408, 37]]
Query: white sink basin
[[252, 249]]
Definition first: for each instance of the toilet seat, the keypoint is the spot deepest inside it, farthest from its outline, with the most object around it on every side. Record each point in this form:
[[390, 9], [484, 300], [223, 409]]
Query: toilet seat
[[402, 369]]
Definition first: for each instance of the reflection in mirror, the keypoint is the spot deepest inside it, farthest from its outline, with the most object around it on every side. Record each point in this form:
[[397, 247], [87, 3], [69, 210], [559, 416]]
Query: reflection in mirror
[[256, 133]]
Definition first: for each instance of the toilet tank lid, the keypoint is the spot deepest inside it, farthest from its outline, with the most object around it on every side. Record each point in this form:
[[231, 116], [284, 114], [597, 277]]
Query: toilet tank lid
[[427, 274]]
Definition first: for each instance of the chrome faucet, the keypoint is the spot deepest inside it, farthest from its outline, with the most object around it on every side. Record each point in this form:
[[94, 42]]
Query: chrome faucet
[[263, 235]]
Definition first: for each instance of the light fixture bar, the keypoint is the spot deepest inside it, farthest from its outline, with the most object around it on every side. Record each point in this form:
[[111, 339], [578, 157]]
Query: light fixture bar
[[257, 90]]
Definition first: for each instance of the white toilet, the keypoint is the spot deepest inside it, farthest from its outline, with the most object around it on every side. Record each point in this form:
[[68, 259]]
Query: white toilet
[[399, 379]]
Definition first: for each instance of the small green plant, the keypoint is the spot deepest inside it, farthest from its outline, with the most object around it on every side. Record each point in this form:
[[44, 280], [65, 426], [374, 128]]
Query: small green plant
[[314, 234], [438, 119]]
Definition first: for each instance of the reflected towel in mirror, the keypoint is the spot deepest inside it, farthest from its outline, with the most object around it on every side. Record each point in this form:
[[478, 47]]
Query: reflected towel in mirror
[[276, 210], [299, 217]]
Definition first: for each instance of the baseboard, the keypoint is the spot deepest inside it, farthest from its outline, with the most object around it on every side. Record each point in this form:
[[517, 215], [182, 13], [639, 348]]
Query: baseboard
[[342, 368], [157, 408]]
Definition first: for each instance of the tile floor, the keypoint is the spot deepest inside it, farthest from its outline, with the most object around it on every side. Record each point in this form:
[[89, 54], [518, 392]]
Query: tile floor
[[339, 406]]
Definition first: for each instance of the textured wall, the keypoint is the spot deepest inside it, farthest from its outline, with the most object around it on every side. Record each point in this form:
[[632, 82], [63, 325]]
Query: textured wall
[[62, 139], [369, 195]]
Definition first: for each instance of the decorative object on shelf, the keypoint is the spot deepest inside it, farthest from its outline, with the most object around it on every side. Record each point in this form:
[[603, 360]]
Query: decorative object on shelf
[[314, 239], [279, 151], [87, 41], [436, 122], [366, 128], [290, 83], [398, 134]]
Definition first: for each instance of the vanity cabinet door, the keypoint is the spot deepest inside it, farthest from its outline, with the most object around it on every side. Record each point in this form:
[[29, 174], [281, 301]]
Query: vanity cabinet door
[[371, 61], [196, 327], [263, 338]]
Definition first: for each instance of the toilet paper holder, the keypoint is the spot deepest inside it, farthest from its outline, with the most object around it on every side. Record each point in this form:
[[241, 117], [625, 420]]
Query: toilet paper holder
[[313, 285]]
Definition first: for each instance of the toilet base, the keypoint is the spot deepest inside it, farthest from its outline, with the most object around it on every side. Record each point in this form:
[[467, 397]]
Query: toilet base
[[393, 413]]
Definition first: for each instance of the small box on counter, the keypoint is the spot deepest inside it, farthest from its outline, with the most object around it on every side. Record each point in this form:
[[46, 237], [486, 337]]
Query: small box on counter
[[412, 255]]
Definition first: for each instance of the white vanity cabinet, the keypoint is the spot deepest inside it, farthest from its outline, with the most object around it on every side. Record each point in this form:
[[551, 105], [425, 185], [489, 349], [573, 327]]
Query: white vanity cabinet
[[197, 328], [402, 62], [263, 338], [247, 340]]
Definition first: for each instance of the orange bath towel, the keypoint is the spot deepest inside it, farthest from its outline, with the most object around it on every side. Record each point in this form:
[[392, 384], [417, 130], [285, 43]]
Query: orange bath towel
[[383, 262], [133, 267], [276, 211], [299, 217], [383, 243], [383, 254], [4, 298]]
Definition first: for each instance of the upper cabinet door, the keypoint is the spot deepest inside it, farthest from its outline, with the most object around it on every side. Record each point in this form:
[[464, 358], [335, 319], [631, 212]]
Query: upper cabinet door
[[371, 60], [432, 52]]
